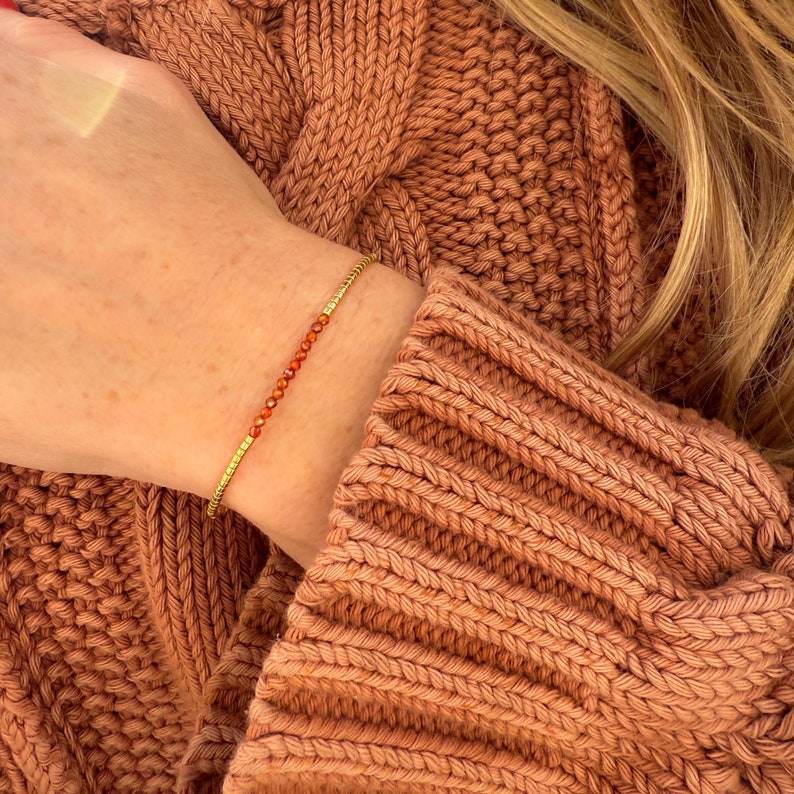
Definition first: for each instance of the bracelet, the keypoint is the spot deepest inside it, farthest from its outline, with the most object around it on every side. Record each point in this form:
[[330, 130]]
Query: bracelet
[[281, 384]]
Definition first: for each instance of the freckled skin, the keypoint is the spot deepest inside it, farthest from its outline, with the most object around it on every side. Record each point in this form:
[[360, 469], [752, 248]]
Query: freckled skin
[[156, 377], [11, 79]]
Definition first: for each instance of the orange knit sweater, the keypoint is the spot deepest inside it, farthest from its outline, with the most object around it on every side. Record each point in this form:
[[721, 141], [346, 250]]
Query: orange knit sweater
[[537, 578]]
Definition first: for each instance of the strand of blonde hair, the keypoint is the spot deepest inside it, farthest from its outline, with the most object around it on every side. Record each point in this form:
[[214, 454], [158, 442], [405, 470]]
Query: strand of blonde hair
[[713, 82]]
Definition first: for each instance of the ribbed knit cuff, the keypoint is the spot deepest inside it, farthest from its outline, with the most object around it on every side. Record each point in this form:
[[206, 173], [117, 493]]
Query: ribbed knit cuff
[[537, 579]]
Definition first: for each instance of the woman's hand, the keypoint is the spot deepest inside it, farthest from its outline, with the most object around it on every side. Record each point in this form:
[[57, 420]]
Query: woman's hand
[[121, 207], [150, 292]]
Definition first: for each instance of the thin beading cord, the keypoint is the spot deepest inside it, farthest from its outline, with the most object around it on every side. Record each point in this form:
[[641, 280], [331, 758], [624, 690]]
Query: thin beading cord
[[281, 384]]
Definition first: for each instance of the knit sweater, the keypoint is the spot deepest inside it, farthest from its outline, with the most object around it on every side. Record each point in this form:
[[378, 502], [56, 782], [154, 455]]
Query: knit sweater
[[538, 577]]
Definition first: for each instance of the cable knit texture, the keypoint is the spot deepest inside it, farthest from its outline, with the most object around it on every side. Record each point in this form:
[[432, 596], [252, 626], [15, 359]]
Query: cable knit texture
[[537, 578]]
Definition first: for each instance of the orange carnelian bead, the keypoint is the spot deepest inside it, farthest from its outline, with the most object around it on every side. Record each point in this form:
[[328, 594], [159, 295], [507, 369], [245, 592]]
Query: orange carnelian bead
[[289, 374], [323, 319], [306, 345], [271, 403], [294, 364], [282, 383], [300, 355], [259, 421], [266, 412], [255, 431], [317, 327], [311, 336], [278, 393]]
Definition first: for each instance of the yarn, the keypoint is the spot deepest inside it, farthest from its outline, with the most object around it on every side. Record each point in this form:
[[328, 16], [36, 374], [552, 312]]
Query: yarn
[[537, 578]]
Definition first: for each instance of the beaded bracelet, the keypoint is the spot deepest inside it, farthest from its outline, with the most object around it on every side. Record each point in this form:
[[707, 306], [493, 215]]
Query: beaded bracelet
[[281, 384]]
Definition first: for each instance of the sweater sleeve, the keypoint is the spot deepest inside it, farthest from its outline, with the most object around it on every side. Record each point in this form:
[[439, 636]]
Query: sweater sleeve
[[538, 579]]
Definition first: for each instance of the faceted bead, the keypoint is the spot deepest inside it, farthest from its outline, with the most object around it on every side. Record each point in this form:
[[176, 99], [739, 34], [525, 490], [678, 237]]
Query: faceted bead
[[306, 345], [266, 412], [323, 319], [282, 383], [289, 374], [317, 327], [271, 403], [311, 336], [255, 431], [294, 364], [259, 421], [300, 355], [278, 393]]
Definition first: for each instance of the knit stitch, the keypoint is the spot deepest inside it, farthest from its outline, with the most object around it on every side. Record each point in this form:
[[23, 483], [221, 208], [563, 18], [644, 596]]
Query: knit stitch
[[537, 578]]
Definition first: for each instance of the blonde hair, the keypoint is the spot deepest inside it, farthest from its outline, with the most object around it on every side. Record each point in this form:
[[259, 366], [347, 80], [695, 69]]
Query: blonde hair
[[713, 82]]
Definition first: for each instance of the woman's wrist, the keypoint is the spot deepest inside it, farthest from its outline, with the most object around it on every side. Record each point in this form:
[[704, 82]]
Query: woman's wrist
[[286, 483], [144, 351]]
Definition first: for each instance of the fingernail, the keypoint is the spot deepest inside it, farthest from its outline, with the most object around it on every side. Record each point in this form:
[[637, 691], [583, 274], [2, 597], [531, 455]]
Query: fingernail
[[9, 4]]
